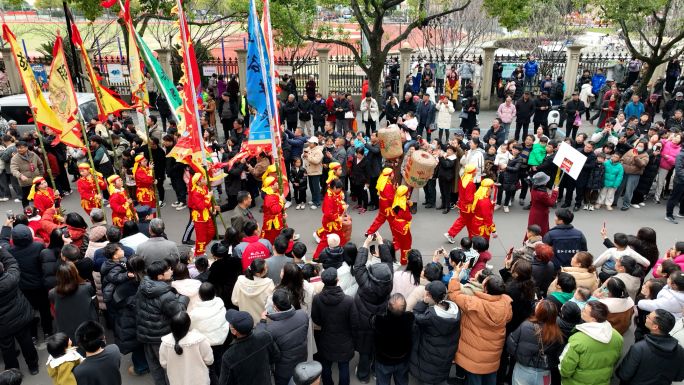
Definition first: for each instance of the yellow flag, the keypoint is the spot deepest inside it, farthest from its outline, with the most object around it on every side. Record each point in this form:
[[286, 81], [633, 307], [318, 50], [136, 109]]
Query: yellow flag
[[63, 98], [42, 113]]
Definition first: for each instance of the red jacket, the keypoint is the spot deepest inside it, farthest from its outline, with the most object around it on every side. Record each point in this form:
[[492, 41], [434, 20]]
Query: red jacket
[[386, 199], [43, 200], [483, 217], [87, 190], [273, 212], [333, 208], [539, 212], [329, 102], [143, 178], [402, 221], [466, 196], [199, 202]]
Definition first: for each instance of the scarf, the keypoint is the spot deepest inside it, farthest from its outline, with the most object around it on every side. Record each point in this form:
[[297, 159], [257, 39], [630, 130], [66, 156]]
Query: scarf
[[383, 179]]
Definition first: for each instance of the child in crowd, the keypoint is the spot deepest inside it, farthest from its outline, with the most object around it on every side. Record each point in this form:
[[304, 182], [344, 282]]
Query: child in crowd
[[491, 143], [538, 152], [62, 360], [298, 173], [533, 238], [480, 245], [331, 256], [667, 268], [606, 261], [612, 177], [113, 273], [299, 254], [595, 183], [202, 267], [289, 234], [471, 254], [566, 285], [582, 296], [312, 274], [474, 285], [208, 317]]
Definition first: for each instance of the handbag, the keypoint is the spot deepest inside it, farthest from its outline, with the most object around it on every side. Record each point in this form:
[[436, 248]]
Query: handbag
[[432, 127], [591, 99], [578, 120], [463, 115], [349, 115], [543, 362]]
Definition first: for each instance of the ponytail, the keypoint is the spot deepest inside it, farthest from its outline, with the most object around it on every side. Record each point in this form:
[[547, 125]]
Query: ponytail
[[256, 267], [180, 325], [631, 266]]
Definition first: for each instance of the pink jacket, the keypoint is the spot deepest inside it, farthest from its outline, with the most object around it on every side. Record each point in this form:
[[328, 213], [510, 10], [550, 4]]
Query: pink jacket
[[671, 150], [506, 112], [678, 260]]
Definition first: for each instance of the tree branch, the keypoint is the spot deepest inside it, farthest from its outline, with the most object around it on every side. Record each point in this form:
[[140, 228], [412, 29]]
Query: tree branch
[[359, 17]]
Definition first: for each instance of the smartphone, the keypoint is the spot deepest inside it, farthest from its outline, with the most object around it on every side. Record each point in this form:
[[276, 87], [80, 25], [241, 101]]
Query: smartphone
[[65, 232], [372, 249], [604, 290], [10, 214], [604, 225], [375, 235]]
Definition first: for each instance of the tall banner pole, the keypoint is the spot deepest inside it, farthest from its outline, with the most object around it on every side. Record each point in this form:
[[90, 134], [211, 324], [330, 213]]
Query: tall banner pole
[[86, 143], [47, 162]]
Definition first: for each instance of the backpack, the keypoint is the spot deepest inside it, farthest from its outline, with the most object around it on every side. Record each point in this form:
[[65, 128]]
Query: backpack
[[500, 92]]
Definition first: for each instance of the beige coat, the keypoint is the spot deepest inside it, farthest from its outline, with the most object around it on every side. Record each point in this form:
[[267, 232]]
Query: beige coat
[[20, 167], [251, 295], [582, 277], [185, 368], [313, 163], [417, 295]]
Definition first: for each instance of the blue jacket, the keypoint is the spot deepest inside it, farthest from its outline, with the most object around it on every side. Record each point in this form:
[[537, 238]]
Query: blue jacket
[[531, 68], [597, 81], [634, 109], [566, 242], [613, 175], [296, 143]]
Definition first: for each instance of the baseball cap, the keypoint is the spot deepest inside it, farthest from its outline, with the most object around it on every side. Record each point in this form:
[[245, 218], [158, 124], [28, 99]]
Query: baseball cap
[[329, 276], [436, 289], [306, 373], [527, 92], [679, 94], [575, 93], [241, 321], [544, 93], [631, 127], [313, 139], [460, 133], [144, 211]]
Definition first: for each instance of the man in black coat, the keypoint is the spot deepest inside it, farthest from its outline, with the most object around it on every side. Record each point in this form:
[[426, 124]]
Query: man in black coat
[[26, 251], [524, 109], [375, 158], [407, 104], [392, 341], [290, 112], [16, 315], [375, 285], [340, 108], [572, 108], [581, 182], [542, 105], [335, 313], [175, 170], [672, 105], [658, 351]]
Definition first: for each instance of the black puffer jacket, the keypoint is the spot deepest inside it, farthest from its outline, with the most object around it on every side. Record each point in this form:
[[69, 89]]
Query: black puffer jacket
[[646, 179], [435, 342], [113, 274], [15, 310], [511, 173], [447, 167], [661, 354], [375, 285], [124, 301], [523, 345], [320, 111], [335, 313], [289, 331], [331, 257], [156, 303], [597, 177], [305, 110], [392, 337], [27, 253], [50, 260]]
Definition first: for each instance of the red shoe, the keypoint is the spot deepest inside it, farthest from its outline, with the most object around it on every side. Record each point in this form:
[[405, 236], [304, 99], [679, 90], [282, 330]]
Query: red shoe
[[357, 207], [362, 211]]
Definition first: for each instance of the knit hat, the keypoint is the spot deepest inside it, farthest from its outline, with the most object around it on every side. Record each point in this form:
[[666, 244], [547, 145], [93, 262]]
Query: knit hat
[[333, 240], [97, 233], [329, 276]]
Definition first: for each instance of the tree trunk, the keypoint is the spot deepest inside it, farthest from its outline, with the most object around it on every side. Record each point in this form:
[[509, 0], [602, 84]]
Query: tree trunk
[[643, 83]]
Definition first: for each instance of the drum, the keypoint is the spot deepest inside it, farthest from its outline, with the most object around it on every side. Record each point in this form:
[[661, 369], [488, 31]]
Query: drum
[[390, 142], [346, 227], [419, 169]]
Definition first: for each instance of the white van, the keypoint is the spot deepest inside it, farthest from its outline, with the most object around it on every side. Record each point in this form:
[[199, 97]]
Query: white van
[[15, 107]]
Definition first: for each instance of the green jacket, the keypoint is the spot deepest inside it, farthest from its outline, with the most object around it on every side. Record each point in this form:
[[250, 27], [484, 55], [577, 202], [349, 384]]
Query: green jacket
[[440, 69], [537, 155], [590, 355]]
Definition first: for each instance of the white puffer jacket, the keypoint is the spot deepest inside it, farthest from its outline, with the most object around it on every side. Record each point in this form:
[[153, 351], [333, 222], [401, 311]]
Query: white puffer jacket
[[444, 115], [209, 318], [667, 299]]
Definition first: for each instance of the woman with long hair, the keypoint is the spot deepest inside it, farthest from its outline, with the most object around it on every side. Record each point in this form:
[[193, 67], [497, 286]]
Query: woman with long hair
[[185, 354], [72, 300], [647, 236], [224, 272], [630, 273], [614, 294], [536, 345], [253, 289], [125, 306], [51, 257], [521, 289], [232, 238], [670, 298], [345, 274], [582, 269], [406, 280]]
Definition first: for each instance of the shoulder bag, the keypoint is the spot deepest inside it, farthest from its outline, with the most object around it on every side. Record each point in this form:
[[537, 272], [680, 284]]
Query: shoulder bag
[[543, 362]]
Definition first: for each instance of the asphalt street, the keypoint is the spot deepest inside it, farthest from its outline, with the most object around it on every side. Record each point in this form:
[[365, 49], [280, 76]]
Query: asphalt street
[[428, 227]]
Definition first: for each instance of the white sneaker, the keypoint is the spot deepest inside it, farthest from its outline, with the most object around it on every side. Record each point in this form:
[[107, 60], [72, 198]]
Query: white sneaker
[[18, 200], [642, 204], [585, 207], [449, 238], [506, 209], [181, 206], [175, 204], [4, 199], [316, 237], [314, 207], [636, 206], [591, 207], [288, 204], [497, 207], [296, 237], [310, 203]]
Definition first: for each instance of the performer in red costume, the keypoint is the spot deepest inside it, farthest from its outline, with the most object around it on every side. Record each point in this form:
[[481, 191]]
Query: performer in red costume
[[43, 196], [466, 194], [401, 225], [199, 202], [121, 204], [144, 181], [90, 199], [274, 217], [385, 187], [333, 210], [483, 212], [334, 172]]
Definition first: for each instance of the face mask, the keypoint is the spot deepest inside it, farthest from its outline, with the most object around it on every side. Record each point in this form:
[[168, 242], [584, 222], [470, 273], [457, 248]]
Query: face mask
[[433, 146]]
